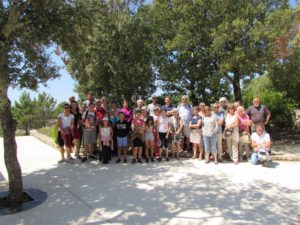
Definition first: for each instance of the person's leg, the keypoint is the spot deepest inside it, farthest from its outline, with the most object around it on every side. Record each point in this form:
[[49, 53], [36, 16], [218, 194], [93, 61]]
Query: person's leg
[[177, 150], [206, 148], [62, 154], [151, 150], [68, 153], [214, 150], [254, 158], [195, 150], [229, 147], [173, 146], [125, 153], [140, 150], [219, 146], [235, 151], [147, 144]]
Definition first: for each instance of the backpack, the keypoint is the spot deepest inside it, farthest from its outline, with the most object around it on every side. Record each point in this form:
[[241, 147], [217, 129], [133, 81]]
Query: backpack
[[86, 115]]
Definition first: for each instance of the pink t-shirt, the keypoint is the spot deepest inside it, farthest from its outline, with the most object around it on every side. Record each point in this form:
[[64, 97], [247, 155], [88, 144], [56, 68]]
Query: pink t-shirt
[[243, 120], [138, 122]]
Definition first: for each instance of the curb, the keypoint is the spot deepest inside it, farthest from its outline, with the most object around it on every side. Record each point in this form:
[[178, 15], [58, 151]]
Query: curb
[[43, 138]]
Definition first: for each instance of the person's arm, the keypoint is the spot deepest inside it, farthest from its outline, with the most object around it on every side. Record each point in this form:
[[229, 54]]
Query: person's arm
[[180, 127], [170, 128], [236, 122], [268, 117], [254, 145], [111, 133], [59, 126]]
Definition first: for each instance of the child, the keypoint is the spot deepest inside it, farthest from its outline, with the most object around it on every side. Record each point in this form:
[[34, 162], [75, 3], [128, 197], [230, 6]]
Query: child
[[195, 136], [210, 128], [122, 130], [149, 138], [138, 127], [162, 126], [106, 135], [175, 130]]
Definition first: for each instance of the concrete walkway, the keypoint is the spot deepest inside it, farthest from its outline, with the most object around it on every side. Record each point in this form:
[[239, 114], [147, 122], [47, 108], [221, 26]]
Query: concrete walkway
[[179, 192]]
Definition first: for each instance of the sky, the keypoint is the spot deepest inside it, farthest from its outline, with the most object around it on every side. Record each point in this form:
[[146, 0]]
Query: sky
[[61, 88]]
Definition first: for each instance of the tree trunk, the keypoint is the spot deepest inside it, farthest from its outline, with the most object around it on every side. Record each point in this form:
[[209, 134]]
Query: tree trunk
[[237, 88], [10, 147]]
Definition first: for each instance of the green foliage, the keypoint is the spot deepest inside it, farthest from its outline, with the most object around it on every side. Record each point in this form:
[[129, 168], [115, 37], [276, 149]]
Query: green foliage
[[280, 106], [45, 106], [23, 112]]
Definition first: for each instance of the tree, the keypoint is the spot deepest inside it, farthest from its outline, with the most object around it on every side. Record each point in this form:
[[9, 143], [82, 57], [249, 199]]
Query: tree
[[27, 29], [45, 106], [115, 55], [243, 37], [23, 112], [182, 41]]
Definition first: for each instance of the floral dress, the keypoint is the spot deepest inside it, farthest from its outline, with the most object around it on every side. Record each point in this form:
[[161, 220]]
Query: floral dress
[[175, 125]]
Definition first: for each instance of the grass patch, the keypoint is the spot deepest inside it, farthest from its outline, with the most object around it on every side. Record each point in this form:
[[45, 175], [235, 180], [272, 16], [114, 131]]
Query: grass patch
[[48, 131]]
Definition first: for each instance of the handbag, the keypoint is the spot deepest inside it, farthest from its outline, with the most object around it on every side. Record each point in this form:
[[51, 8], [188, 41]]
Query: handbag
[[228, 132]]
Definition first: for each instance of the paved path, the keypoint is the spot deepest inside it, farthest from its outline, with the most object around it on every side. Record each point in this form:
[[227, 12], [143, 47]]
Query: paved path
[[178, 192]]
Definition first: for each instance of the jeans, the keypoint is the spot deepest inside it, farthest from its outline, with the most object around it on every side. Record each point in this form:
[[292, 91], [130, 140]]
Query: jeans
[[210, 144]]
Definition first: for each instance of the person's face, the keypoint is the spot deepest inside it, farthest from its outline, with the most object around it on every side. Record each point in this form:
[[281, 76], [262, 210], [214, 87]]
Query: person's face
[[143, 112], [105, 122], [207, 112], [91, 107], [236, 104], [154, 100], [184, 100], [216, 108], [223, 103], [104, 101], [231, 110], [113, 105], [156, 112], [138, 114], [240, 111], [139, 103], [125, 104], [83, 107], [259, 130], [67, 110], [195, 112], [256, 102], [164, 113], [74, 105], [122, 116], [175, 113], [89, 97], [98, 104], [167, 101]]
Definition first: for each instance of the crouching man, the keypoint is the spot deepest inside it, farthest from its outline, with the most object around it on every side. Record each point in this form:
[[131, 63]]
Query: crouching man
[[261, 144]]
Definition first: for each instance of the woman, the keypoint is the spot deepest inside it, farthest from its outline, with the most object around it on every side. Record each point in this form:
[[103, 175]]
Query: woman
[[163, 127], [196, 132], [175, 130], [210, 128], [261, 144], [77, 132], [244, 123], [231, 133]]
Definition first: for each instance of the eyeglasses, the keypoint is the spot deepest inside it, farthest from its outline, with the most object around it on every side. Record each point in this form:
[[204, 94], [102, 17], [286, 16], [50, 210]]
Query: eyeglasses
[[184, 99]]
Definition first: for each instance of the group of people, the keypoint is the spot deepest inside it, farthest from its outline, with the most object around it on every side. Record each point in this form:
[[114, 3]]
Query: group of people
[[154, 132]]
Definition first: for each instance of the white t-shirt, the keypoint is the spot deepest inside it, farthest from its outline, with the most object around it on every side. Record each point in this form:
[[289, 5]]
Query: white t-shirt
[[229, 121], [163, 124], [185, 113], [260, 139], [210, 124], [66, 121]]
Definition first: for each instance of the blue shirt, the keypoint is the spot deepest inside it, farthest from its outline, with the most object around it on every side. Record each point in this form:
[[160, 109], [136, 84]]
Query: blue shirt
[[194, 120], [220, 116]]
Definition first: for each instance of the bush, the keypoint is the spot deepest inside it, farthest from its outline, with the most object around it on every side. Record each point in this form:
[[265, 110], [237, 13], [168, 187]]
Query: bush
[[281, 107]]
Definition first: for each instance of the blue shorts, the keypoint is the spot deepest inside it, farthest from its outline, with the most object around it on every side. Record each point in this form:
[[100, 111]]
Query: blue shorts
[[122, 141]]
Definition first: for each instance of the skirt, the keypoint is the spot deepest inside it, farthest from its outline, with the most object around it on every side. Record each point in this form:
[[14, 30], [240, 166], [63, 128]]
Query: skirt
[[149, 136], [195, 136]]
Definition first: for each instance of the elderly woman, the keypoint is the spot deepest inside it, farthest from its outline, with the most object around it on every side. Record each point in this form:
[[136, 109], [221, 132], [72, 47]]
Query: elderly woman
[[175, 130], [231, 133], [261, 144], [244, 123]]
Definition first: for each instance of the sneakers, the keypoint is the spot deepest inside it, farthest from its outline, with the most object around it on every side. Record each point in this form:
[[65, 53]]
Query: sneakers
[[118, 161], [159, 159], [140, 161], [167, 159], [216, 162], [83, 159], [133, 161], [124, 160], [147, 160], [70, 160], [92, 157], [152, 160], [61, 161]]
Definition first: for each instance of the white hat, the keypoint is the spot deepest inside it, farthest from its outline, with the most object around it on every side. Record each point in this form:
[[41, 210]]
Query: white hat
[[223, 99], [105, 119]]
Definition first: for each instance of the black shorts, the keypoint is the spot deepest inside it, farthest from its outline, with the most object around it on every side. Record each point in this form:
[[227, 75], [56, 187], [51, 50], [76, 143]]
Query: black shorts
[[163, 140], [137, 142], [60, 140]]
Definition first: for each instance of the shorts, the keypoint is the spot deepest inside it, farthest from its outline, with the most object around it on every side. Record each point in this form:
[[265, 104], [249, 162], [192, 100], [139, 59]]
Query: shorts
[[76, 133], [163, 140], [89, 136], [122, 141], [149, 136], [186, 131], [137, 142], [64, 142]]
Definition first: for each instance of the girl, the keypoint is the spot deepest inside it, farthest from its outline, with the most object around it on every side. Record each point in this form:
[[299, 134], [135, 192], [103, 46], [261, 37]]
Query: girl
[[77, 134], [210, 128], [149, 138], [231, 133], [162, 126], [175, 130], [106, 135], [195, 136], [138, 127]]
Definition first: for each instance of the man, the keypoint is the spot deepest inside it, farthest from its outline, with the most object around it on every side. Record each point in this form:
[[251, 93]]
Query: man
[[185, 111], [65, 123], [223, 106], [104, 104], [219, 134], [168, 106], [258, 114], [154, 104], [90, 122], [89, 98]]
